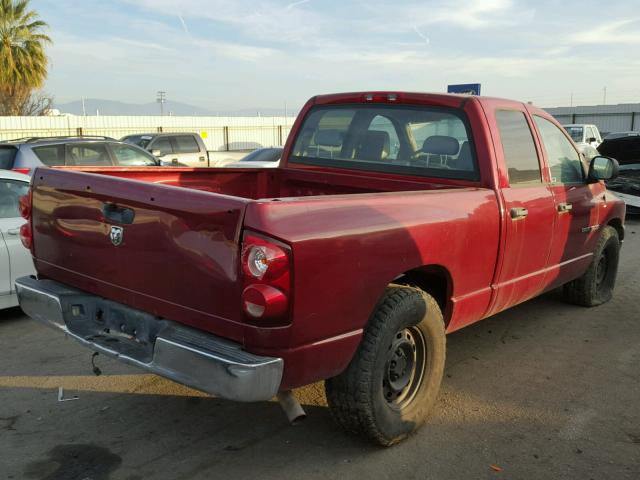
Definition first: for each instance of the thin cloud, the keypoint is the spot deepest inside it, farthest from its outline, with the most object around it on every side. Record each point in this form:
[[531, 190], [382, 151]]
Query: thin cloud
[[421, 35], [295, 4], [608, 33], [184, 25]]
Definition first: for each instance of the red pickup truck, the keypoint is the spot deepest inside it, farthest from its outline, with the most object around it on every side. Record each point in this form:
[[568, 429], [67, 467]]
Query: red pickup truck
[[393, 219]]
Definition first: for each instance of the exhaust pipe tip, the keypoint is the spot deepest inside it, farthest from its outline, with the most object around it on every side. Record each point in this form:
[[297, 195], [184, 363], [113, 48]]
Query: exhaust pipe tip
[[292, 408]]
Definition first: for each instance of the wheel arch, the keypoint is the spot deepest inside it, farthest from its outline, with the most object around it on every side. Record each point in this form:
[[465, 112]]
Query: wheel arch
[[617, 224], [434, 279]]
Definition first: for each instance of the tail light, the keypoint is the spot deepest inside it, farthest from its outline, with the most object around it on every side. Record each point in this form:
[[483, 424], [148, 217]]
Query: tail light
[[266, 271], [26, 171], [25, 207]]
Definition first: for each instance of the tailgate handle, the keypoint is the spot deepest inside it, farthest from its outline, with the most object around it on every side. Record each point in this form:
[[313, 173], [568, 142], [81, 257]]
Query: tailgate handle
[[117, 214]]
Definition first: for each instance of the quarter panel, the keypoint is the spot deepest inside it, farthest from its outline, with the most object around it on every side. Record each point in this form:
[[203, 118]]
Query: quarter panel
[[347, 249]]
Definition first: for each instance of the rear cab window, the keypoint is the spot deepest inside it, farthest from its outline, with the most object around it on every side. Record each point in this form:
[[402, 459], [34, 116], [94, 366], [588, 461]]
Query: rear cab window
[[401, 139], [576, 133]]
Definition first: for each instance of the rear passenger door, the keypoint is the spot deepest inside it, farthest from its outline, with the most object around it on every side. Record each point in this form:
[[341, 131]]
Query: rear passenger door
[[529, 210], [575, 201], [88, 155]]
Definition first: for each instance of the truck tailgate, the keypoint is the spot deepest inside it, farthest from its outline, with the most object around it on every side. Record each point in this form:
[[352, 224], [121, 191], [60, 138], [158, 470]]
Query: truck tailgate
[[177, 256]]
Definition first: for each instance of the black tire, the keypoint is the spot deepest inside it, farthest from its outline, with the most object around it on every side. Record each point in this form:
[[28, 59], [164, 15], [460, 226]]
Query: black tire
[[368, 398], [595, 286]]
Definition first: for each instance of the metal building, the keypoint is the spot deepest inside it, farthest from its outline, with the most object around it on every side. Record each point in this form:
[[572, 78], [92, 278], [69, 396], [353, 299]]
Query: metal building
[[608, 118]]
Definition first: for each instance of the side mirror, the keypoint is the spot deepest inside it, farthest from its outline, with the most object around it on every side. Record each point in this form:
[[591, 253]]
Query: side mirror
[[603, 168], [591, 139], [156, 153]]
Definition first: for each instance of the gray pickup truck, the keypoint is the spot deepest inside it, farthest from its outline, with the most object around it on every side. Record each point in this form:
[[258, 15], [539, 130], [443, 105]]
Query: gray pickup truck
[[181, 149]]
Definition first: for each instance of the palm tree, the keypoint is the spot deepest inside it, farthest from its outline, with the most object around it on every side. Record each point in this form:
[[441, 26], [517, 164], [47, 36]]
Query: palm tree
[[23, 63]]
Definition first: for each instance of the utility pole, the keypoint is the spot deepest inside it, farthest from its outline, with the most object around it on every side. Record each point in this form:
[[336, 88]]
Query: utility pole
[[161, 99], [84, 110], [571, 104], [604, 96]]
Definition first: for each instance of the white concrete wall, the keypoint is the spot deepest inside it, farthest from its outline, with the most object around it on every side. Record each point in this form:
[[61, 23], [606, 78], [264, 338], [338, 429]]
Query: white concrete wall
[[218, 133]]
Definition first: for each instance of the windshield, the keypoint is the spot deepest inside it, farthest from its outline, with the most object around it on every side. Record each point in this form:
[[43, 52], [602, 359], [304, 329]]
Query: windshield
[[411, 140], [575, 133], [140, 140], [263, 155]]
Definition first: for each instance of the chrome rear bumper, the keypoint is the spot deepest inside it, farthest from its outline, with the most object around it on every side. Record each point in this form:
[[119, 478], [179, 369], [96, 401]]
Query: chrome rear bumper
[[185, 355]]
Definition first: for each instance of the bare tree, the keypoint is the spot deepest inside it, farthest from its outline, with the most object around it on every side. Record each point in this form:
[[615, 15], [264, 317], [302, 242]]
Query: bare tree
[[24, 102]]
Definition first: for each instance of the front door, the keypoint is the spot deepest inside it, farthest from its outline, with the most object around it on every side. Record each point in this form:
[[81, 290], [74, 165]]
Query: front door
[[529, 212], [576, 226]]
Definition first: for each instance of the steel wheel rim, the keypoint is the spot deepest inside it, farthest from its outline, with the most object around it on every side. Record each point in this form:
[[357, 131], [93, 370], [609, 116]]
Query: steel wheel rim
[[404, 367], [602, 269]]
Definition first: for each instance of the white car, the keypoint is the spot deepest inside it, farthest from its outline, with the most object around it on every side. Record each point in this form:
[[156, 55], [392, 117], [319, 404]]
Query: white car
[[260, 158], [15, 259]]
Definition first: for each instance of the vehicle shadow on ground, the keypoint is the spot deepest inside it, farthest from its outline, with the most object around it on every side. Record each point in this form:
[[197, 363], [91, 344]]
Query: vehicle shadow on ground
[[187, 436], [11, 315]]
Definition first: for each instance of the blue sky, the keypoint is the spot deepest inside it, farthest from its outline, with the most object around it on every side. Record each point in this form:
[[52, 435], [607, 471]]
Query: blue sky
[[226, 55]]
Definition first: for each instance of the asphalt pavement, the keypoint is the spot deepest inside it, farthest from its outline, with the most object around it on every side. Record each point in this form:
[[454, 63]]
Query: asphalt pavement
[[545, 390]]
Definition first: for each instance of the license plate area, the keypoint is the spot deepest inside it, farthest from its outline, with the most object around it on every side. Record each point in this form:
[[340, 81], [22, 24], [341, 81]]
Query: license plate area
[[114, 326]]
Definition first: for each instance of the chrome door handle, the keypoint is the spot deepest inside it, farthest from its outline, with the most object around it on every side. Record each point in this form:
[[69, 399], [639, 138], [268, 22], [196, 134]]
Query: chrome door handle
[[564, 207], [13, 231], [518, 212]]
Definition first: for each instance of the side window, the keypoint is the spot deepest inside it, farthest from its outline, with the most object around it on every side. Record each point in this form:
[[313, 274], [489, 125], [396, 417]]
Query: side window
[[186, 144], [10, 193], [163, 144], [383, 128], [7, 155], [51, 155], [88, 155], [129, 156], [519, 148], [564, 160]]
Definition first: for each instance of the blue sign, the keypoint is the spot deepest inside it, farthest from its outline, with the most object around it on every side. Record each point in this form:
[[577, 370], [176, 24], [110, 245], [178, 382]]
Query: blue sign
[[465, 88]]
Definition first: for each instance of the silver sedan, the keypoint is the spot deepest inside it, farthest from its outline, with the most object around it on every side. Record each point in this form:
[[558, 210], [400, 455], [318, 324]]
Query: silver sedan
[[15, 259]]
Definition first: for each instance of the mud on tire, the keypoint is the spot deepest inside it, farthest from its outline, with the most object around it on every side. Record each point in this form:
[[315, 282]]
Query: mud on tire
[[392, 382], [595, 286]]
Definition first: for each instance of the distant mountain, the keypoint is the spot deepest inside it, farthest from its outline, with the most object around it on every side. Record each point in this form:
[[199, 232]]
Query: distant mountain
[[114, 107]]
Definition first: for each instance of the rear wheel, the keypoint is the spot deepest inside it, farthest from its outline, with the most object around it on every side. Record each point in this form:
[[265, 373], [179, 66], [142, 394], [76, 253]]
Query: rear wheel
[[392, 382], [595, 287]]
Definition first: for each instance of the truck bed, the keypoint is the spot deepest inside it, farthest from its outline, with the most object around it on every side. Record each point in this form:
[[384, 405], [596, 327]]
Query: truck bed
[[255, 183], [179, 257]]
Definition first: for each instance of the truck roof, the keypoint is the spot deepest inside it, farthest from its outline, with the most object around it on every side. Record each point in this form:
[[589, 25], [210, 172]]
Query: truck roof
[[452, 100]]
